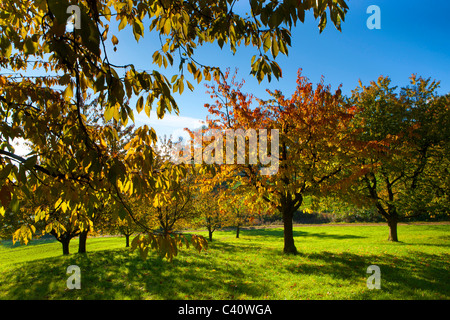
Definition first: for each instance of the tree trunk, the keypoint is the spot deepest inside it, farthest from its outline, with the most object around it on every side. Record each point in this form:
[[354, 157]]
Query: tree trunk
[[392, 223], [210, 233], [65, 245], [237, 231], [289, 246], [127, 241], [82, 242]]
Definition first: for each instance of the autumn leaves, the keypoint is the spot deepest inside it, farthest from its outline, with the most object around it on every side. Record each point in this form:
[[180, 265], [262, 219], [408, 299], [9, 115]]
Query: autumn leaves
[[375, 148]]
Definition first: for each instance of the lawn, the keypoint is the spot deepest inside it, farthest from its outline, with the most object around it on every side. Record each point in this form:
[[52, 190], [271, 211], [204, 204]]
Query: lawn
[[331, 264]]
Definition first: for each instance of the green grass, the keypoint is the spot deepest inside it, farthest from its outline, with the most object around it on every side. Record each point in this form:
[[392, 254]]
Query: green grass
[[331, 264]]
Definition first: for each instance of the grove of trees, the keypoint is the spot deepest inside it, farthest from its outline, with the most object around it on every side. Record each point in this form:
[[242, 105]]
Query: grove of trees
[[382, 147]]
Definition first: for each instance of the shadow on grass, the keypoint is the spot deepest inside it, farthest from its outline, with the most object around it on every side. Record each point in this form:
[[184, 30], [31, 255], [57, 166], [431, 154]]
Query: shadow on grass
[[120, 274], [410, 277], [9, 243], [277, 232]]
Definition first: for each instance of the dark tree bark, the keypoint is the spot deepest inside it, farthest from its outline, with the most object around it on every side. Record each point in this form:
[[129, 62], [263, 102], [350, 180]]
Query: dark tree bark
[[289, 246], [211, 226], [82, 242], [64, 238], [127, 240], [210, 234], [389, 213], [65, 245], [392, 223]]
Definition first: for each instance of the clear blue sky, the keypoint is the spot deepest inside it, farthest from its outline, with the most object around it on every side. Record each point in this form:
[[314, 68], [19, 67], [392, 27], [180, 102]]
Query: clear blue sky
[[414, 38]]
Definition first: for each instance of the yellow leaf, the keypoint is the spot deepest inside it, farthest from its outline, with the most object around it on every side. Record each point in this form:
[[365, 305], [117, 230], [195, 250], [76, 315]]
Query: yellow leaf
[[114, 40], [167, 26], [68, 92]]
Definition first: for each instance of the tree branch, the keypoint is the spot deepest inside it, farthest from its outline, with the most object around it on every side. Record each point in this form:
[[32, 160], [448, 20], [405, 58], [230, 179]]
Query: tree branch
[[40, 168], [36, 166]]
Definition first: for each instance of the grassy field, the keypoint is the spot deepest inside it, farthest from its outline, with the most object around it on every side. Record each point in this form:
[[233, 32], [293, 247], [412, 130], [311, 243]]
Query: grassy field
[[331, 264]]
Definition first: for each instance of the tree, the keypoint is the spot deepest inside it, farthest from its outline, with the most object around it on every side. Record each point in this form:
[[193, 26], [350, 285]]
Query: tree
[[174, 205], [126, 226], [206, 204], [312, 148], [126, 229], [110, 224], [46, 110], [171, 205], [241, 208], [235, 214], [55, 203], [404, 135], [122, 136]]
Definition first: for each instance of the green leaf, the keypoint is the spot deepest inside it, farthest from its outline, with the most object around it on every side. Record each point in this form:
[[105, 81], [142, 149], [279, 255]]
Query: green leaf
[[135, 242], [90, 36], [7, 49], [31, 162], [112, 174], [275, 19], [65, 79], [99, 83], [58, 9], [21, 174], [4, 173], [14, 204], [30, 47]]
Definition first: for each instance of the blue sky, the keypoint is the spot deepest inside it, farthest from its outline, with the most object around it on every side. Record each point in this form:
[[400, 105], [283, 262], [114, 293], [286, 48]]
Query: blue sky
[[414, 38]]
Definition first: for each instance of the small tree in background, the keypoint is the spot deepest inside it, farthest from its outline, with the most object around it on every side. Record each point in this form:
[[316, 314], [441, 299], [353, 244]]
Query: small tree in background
[[209, 214]]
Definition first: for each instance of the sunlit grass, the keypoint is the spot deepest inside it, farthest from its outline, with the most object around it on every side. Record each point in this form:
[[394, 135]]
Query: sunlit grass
[[331, 264]]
